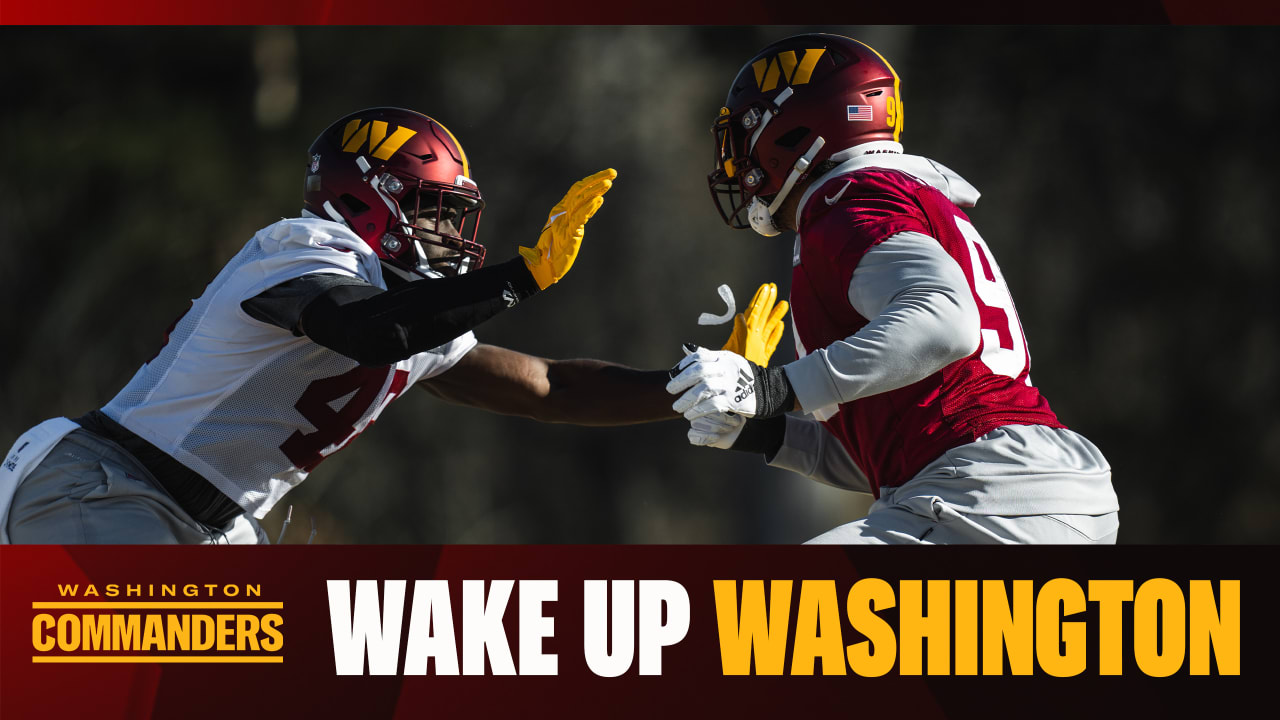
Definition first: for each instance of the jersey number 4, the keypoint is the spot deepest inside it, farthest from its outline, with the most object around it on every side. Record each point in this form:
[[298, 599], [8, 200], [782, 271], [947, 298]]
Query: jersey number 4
[[336, 428], [1004, 347]]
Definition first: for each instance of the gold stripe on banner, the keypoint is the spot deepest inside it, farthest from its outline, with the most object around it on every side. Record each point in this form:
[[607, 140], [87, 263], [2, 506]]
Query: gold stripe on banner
[[158, 659], [156, 605]]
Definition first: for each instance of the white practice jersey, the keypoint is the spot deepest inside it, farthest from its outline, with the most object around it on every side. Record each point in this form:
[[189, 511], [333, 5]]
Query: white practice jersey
[[250, 406]]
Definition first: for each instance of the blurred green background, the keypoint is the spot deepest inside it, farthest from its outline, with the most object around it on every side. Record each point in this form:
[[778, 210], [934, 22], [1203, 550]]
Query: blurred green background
[[1128, 179]]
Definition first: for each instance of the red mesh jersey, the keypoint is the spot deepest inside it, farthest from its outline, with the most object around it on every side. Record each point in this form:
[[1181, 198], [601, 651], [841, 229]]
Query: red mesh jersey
[[893, 435]]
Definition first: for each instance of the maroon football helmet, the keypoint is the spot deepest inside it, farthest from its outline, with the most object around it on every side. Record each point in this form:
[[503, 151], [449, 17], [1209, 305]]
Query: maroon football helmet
[[379, 170], [792, 106]]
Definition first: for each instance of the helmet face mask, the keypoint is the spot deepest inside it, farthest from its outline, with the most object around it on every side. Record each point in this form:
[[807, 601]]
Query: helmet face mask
[[735, 179], [446, 220], [387, 174], [792, 106]]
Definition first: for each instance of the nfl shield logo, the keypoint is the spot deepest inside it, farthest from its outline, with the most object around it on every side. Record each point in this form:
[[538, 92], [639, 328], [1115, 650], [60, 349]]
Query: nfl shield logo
[[315, 162]]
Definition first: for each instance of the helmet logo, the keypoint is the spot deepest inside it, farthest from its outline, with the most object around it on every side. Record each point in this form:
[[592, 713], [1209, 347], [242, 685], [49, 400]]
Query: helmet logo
[[785, 65], [859, 113], [315, 162], [357, 133]]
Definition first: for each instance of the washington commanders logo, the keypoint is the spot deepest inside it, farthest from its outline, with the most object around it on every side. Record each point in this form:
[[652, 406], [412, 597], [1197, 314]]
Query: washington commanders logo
[[157, 623], [357, 133], [795, 71]]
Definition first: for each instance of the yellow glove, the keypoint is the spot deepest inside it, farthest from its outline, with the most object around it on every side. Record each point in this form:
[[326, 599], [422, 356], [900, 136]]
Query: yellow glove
[[562, 235], [757, 330]]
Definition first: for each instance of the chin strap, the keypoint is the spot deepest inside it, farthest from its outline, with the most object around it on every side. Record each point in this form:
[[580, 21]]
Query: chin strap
[[801, 166]]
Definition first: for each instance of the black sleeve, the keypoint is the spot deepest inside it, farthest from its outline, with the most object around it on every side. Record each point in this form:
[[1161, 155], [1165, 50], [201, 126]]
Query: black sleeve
[[376, 327], [282, 305], [762, 436]]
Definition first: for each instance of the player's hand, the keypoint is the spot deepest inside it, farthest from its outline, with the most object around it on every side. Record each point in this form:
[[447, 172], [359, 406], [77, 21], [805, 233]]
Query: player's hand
[[561, 237], [713, 381], [716, 430], [757, 330]]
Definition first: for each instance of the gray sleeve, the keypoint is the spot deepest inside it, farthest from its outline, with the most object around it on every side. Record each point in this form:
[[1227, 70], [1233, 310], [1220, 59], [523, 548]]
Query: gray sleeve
[[283, 304], [922, 318], [810, 450]]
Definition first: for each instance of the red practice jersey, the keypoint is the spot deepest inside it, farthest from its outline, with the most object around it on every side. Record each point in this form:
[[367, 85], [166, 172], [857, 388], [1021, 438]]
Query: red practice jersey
[[893, 435]]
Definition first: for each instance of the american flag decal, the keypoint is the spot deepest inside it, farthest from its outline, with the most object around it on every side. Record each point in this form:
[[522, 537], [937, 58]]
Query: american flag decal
[[860, 112]]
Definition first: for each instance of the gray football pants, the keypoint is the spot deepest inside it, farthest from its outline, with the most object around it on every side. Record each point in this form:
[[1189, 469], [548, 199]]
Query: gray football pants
[[928, 520], [88, 490]]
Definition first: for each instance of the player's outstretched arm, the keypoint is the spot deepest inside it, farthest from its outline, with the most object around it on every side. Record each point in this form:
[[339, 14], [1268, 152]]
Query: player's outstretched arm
[[581, 392], [377, 327], [590, 392]]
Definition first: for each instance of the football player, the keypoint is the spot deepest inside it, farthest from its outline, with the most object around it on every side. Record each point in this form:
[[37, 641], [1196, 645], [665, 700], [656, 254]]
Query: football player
[[913, 374], [307, 334]]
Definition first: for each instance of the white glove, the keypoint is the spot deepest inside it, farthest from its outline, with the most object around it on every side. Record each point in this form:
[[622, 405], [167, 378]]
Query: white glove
[[716, 430], [713, 381]]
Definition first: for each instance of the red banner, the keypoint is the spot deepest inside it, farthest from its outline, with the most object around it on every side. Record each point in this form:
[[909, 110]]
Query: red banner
[[627, 631], [517, 12]]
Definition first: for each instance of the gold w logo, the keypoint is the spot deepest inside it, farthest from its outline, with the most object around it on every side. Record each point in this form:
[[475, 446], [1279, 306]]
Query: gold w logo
[[785, 65], [356, 133]]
